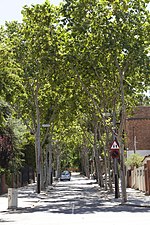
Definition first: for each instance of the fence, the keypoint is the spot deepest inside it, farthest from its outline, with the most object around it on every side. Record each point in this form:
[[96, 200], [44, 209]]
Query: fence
[[139, 178], [24, 177]]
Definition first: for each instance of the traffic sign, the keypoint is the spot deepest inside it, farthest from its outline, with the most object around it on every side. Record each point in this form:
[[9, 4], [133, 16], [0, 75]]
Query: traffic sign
[[115, 149], [115, 153], [115, 145]]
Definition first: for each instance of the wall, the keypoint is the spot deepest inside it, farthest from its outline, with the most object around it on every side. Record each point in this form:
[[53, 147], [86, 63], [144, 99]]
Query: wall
[[138, 129], [139, 178]]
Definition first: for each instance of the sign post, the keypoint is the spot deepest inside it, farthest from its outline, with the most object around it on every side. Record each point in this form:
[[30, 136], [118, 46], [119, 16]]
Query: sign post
[[115, 155]]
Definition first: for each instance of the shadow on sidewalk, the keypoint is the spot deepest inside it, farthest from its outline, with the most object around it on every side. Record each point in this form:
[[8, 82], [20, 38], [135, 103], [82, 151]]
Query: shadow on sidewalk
[[69, 198]]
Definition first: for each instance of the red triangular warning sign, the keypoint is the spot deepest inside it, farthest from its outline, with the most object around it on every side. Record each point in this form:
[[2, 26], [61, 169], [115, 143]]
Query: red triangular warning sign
[[114, 145]]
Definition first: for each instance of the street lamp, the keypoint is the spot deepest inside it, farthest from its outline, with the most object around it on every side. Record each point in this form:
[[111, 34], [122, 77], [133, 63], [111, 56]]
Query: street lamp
[[46, 125]]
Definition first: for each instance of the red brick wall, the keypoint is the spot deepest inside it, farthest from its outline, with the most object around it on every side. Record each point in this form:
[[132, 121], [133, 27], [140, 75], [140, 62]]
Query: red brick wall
[[141, 112], [139, 126]]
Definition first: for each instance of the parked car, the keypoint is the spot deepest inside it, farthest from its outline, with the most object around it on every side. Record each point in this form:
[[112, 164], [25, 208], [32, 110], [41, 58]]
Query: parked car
[[65, 175]]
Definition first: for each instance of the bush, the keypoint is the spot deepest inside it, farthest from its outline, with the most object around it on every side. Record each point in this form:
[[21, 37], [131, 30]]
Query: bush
[[134, 160]]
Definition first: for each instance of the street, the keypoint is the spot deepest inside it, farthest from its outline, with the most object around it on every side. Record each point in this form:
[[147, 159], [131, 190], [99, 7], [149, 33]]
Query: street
[[79, 201]]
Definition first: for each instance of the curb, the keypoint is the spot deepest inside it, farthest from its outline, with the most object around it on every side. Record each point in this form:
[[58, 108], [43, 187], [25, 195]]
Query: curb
[[135, 205]]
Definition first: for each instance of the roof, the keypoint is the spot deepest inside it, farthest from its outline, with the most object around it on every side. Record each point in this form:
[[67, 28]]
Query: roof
[[140, 112], [146, 158]]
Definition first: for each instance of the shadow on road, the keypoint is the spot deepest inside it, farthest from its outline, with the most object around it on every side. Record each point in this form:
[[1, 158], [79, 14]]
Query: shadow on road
[[79, 196]]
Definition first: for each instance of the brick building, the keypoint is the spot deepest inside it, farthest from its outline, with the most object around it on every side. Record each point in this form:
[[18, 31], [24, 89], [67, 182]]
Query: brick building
[[138, 131]]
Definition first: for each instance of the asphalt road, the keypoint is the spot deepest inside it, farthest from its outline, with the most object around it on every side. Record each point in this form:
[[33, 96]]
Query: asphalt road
[[75, 202]]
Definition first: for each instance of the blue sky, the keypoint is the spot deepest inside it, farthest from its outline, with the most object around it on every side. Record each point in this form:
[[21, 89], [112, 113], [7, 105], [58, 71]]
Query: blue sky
[[11, 9]]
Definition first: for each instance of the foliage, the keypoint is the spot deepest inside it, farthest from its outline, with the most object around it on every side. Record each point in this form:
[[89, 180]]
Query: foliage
[[12, 139], [29, 152], [63, 66], [134, 160], [5, 112], [6, 151]]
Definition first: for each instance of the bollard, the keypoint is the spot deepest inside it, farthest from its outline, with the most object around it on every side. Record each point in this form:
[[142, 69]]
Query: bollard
[[12, 198], [73, 208]]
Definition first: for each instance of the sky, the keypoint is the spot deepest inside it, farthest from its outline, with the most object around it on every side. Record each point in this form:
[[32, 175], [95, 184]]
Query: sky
[[11, 9]]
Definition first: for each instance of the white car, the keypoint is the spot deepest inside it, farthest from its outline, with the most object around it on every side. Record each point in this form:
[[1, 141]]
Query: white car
[[65, 175]]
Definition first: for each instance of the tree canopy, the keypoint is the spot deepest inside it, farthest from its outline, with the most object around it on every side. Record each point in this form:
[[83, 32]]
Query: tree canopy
[[70, 65]]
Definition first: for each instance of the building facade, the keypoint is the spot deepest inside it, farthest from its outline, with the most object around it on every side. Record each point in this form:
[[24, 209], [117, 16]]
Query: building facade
[[138, 131]]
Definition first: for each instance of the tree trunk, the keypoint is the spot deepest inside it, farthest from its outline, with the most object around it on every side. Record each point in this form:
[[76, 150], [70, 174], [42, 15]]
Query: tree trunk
[[86, 160], [58, 154], [109, 160], [50, 171], [96, 154], [122, 129], [37, 142], [100, 161]]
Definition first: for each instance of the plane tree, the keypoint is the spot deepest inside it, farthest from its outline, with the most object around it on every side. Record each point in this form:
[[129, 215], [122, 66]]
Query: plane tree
[[109, 48], [77, 63]]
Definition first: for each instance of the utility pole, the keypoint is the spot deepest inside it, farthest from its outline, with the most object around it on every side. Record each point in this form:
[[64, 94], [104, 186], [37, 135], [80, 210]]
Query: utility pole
[[135, 142]]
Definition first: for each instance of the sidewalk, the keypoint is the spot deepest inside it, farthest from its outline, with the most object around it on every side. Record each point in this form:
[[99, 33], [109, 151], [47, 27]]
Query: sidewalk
[[137, 198], [28, 198]]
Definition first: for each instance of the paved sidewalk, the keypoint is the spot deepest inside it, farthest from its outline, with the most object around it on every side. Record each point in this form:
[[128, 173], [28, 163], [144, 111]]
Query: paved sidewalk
[[137, 198], [25, 194], [79, 202]]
